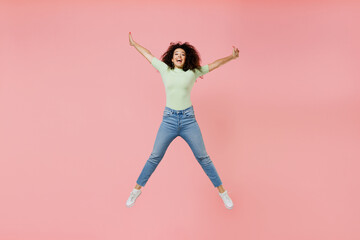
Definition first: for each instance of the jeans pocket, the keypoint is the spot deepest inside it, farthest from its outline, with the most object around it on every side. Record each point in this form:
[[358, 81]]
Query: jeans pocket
[[166, 113], [190, 114]]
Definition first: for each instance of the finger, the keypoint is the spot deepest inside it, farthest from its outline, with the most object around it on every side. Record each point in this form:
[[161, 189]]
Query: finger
[[236, 50]]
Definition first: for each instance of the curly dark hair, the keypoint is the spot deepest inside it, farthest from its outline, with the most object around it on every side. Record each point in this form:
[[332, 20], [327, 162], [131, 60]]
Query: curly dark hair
[[192, 60]]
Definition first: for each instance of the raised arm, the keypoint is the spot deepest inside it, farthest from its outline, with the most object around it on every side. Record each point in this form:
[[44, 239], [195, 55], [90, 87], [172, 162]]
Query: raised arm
[[221, 61], [146, 53]]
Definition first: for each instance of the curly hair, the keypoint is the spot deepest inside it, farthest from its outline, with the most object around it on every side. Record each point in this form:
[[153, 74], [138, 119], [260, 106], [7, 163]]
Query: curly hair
[[192, 60]]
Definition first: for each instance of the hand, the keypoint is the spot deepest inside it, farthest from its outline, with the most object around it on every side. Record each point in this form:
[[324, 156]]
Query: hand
[[131, 41], [235, 53]]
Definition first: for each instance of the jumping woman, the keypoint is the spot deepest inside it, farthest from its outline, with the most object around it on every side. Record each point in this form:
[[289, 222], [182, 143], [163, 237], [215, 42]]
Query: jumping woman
[[179, 68]]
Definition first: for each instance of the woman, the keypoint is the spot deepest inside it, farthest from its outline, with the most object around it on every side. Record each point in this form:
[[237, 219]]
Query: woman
[[179, 68]]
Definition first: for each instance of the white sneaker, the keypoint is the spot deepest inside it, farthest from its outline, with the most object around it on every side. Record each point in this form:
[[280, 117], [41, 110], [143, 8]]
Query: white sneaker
[[227, 200], [133, 195]]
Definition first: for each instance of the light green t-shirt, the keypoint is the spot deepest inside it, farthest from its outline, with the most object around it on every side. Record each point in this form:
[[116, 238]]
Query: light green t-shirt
[[178, 83]]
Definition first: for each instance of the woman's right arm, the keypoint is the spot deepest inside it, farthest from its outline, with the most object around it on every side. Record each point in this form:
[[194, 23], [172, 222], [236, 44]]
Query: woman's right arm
[[146, 53]]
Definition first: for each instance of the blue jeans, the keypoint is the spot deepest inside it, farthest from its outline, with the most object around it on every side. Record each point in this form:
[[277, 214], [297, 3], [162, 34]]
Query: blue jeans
[[179, 123]]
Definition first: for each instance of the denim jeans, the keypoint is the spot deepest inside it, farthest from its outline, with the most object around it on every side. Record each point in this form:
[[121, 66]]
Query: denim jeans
[[179, 123]]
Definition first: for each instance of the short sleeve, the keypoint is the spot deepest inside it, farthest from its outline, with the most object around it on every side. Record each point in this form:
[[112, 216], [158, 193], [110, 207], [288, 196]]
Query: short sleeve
[[203, 70], [159, 65]]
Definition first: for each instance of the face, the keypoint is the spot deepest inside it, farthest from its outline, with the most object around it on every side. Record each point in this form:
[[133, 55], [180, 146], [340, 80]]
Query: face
[[179, 57]]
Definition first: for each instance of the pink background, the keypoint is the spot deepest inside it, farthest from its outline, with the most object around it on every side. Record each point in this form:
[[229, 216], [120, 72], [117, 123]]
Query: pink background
[[80, 109]]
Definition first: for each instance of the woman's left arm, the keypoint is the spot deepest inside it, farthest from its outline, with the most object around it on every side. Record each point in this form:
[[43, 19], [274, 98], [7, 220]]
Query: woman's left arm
[[221, 61]]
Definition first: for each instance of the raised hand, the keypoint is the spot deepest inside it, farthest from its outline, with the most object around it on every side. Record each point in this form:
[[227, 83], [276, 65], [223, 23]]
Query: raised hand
[[131, 41], [235, 53], [146, 53]]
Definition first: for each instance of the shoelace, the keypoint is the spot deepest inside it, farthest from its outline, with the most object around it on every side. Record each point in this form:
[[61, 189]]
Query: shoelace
[[226, 198], [132, 196]]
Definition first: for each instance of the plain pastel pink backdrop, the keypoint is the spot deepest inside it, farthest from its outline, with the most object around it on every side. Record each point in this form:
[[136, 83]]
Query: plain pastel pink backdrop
[[80, 109]]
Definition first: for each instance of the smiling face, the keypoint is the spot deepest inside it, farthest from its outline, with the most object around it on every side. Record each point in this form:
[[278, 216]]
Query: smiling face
[[179, 57]]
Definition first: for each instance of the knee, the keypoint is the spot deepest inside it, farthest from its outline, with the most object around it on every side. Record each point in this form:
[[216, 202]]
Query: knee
[[155, 157], [204, 159]]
